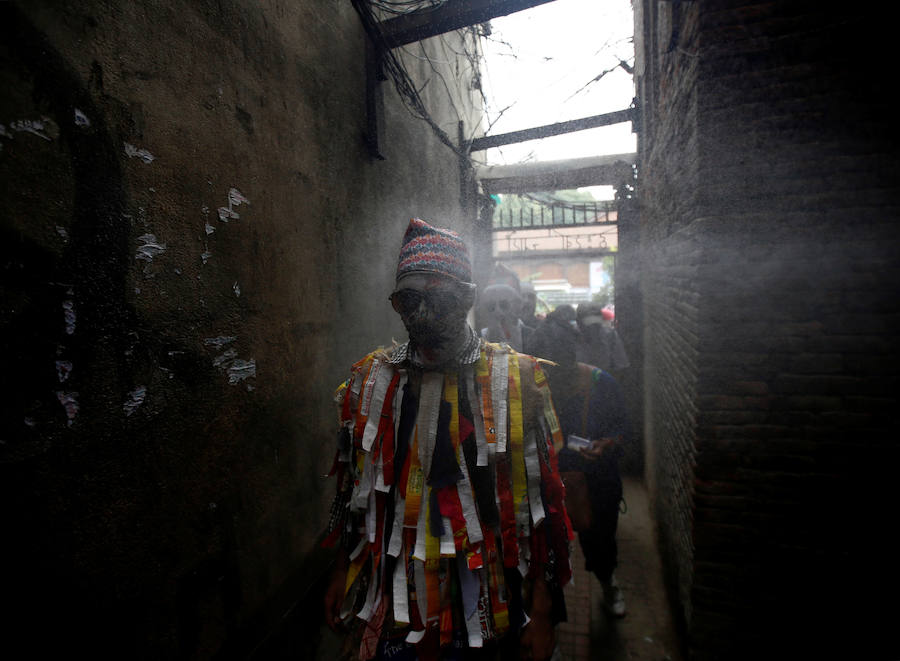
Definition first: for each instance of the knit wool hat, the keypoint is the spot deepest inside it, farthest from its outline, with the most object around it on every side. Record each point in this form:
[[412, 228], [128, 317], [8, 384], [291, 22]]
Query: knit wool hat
[[433, 250]]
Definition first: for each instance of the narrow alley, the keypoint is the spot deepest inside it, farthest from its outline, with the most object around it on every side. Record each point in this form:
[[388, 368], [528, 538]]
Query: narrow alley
[[203, 209], [647, 632]]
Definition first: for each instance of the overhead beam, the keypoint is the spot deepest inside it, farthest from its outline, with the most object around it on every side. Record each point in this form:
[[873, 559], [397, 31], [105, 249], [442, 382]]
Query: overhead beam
[[446, 17], [488, 141], [610, 170]]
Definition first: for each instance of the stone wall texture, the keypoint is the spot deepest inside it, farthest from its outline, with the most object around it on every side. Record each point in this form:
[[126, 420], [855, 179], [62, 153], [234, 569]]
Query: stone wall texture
[[196, 245], [768, 192]]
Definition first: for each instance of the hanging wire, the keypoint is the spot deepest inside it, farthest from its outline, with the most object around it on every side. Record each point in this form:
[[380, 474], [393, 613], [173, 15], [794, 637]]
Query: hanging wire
[[395, 70], [609, 47]]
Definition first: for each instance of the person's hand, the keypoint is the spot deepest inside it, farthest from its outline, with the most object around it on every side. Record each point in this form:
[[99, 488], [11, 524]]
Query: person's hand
[[334, 597], [538, 639], [597, 448]]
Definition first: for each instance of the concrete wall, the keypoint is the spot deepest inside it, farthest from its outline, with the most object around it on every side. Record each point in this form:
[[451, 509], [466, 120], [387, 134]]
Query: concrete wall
[[768, 189], [196, 245]]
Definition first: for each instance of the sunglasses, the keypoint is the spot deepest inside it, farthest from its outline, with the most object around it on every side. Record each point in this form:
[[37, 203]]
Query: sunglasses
[[407, 301]]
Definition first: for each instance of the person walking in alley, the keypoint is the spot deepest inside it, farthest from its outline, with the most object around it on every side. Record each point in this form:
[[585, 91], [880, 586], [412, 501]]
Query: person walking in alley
[[449, 517], [592, 416], [598, 343]]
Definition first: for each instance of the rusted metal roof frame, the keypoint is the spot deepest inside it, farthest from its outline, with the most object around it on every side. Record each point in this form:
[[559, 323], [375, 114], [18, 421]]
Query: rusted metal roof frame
[[446, 17], [617, 117]]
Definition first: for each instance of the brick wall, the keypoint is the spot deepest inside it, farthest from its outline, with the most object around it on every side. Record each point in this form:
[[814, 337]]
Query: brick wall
[[772, 310], [670, 255]]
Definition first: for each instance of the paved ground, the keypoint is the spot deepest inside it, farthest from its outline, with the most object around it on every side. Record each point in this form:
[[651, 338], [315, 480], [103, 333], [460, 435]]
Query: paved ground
[[647, 632]]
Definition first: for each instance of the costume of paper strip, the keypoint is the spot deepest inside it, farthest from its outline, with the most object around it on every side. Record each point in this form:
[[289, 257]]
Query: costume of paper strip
[[454, 530]]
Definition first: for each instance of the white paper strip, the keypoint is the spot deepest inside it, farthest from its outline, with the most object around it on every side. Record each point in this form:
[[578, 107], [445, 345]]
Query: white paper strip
[[467, 502], [359, 548], [397, 529], [470, 585], [524, 549], [414, 637], [365, 613], [371, 524], [533, 471], [361, 491], [379, 390], [477, 420], [379, 476], [355, 387], [401, 596], [368, 388], [426, 421], [523, 563], [499, 391], [421, 589], [398, 402], [422, 524], [448, 548]]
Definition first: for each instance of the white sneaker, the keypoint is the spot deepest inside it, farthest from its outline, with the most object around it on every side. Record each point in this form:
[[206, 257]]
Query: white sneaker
[[613, 598]]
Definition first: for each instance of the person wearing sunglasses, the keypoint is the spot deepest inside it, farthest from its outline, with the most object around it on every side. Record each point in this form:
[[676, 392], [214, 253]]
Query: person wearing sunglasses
[[449, 517]]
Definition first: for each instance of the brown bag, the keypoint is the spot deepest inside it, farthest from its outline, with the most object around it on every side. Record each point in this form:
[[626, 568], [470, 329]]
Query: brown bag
[[578, 503]]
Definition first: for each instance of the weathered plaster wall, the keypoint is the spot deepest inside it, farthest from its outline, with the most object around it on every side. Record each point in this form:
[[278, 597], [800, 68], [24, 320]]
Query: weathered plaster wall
[[195, 247], [769, 204]]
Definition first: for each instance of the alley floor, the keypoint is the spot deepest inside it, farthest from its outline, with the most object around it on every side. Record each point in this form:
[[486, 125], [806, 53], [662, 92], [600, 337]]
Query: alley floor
[[647, 632]]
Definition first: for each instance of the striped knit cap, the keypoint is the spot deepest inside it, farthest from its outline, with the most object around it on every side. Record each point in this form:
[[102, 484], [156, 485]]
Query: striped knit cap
[[433, 250]]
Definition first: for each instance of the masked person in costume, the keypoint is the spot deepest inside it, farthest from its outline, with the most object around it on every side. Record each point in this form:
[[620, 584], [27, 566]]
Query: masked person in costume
[[501, 305], [449, 514], [592, 415]]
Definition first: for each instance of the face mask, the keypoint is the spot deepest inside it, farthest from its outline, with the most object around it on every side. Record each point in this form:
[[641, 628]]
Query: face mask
[[501, 304], [432, 318]]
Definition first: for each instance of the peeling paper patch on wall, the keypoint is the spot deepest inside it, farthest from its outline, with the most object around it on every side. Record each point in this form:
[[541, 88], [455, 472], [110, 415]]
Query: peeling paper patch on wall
[[235, 199], [38, 127], [149, 247], [240, 370], [63, 369], [133, 152], [69, 400], [220, 341], [222, 361], [81, 119], [69, 315], [204, 256], [135, 399], [227, 214], [236, 368]]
